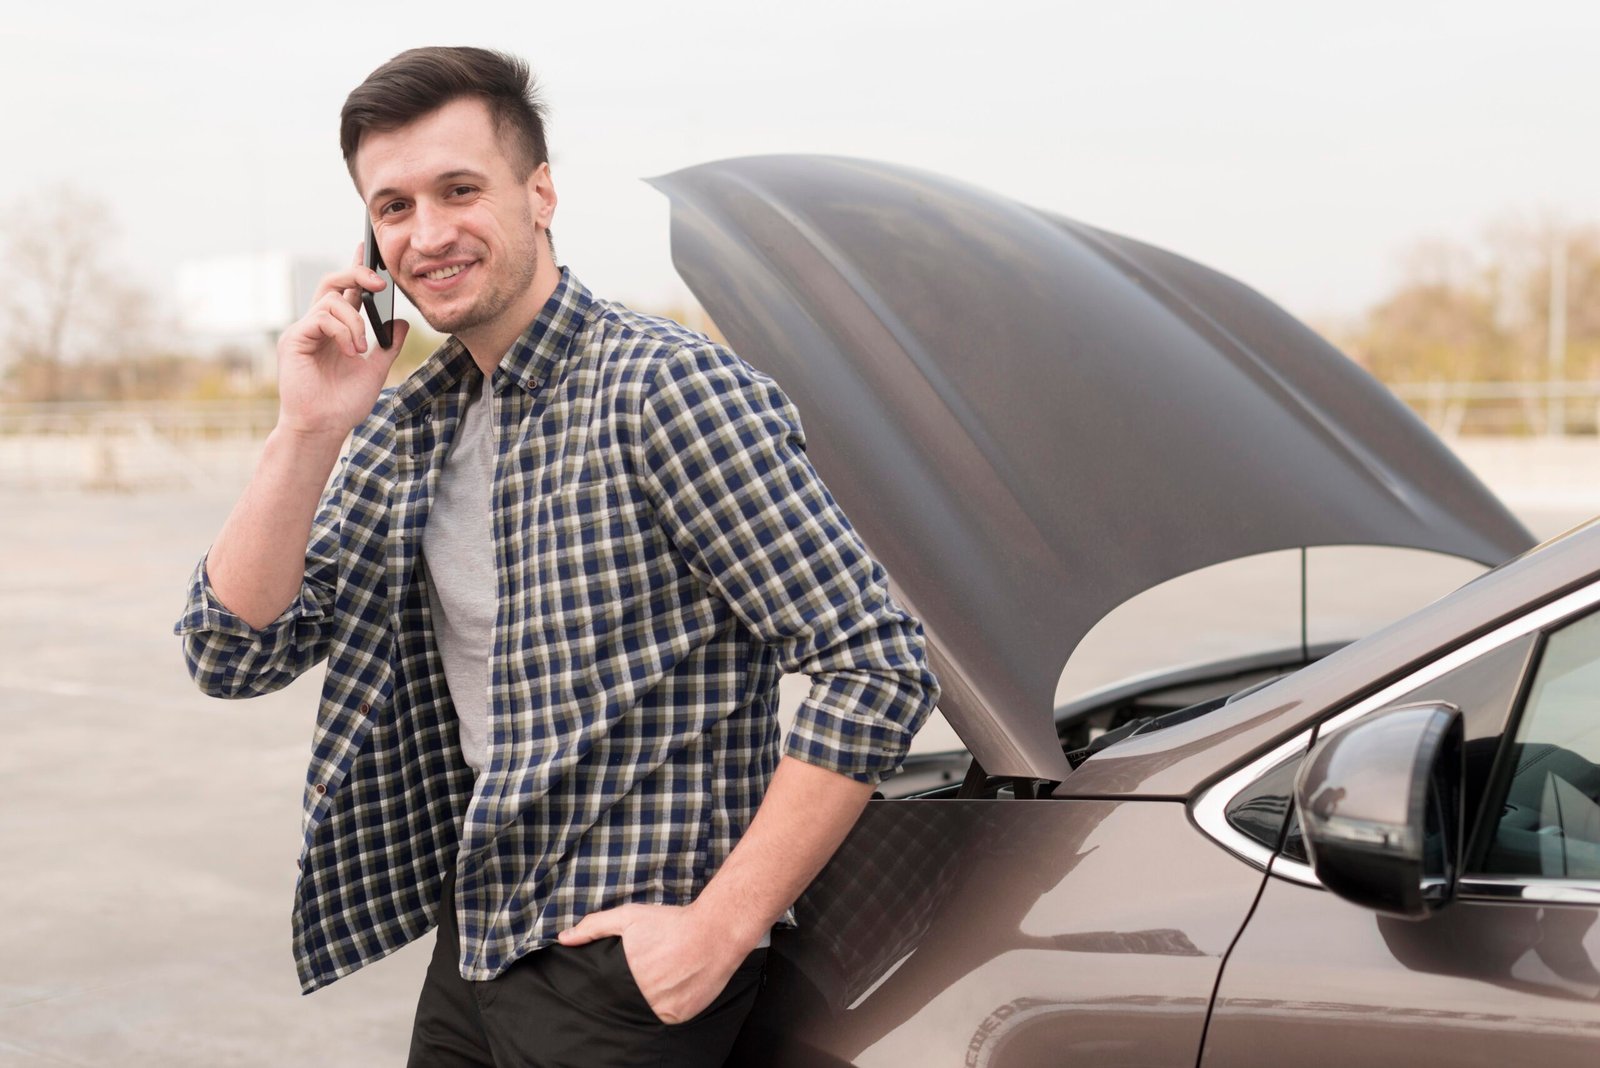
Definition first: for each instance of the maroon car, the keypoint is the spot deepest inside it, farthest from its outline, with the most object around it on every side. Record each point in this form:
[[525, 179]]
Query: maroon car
[[1388, 854]]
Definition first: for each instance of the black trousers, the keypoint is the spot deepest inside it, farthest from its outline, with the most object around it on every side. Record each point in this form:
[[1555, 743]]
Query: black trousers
[[563, 1007]]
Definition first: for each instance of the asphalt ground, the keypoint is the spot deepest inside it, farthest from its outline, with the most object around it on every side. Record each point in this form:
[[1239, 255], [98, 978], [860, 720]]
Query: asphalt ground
[[150, 832]]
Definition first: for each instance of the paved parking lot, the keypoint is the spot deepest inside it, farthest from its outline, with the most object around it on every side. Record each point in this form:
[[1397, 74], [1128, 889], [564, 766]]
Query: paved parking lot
[[150, 833]]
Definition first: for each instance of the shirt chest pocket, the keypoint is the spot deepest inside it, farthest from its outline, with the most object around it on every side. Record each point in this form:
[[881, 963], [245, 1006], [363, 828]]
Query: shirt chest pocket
[[593, 548]]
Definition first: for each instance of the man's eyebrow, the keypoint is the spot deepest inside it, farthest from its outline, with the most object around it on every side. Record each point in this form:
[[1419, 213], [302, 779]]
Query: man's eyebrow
[[447, 176]]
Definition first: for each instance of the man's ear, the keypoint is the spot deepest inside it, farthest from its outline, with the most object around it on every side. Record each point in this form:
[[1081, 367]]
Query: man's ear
[[542, 195]]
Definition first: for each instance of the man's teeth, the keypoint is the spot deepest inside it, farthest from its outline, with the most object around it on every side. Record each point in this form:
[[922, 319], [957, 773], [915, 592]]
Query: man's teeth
[[445, 272]]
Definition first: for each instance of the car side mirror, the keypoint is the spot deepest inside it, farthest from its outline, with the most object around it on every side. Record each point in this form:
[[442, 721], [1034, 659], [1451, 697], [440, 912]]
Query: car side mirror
[[1380, 802]]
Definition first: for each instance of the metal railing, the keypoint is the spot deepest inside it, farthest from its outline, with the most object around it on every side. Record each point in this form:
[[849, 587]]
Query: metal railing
[[195, 444], [1455, 409], [146, 445]]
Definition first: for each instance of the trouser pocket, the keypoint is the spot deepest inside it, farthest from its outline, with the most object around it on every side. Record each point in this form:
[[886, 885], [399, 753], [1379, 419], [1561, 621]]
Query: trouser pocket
[[581, 1006]]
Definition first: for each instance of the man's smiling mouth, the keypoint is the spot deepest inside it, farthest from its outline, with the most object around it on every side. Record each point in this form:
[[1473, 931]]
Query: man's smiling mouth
[[445, 272]]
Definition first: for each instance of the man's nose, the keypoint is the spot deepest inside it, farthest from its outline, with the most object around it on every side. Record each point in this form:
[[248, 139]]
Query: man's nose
[[432, 230]]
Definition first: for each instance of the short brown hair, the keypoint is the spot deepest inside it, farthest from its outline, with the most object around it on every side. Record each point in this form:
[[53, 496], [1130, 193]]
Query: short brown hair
[[421, 80]]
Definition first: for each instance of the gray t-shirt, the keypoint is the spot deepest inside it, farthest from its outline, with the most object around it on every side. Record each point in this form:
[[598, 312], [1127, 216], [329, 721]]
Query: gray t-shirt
[[458, 551]]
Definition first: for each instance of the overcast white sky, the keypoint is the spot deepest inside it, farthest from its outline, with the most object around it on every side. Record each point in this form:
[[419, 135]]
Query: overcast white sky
[[1300, 147]]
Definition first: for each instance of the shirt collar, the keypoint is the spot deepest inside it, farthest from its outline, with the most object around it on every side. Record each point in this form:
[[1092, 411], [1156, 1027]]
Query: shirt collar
[[531, 361]]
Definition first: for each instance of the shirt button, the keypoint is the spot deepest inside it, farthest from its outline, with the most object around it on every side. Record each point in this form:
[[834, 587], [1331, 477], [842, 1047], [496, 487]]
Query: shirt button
[[320, 789], [365, 708]]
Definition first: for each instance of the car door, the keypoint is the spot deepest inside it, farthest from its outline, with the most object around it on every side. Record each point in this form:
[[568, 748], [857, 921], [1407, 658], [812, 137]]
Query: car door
[[1509, 972]]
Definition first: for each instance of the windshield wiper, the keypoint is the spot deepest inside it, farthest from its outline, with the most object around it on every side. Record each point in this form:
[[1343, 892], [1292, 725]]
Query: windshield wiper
[[1151, 724]]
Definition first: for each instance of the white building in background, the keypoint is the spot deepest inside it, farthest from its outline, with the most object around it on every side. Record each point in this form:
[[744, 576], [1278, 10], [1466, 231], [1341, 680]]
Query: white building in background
[[243, 302]]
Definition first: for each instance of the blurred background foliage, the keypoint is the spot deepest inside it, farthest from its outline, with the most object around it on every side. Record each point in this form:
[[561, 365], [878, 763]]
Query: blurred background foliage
[[1483, 312]]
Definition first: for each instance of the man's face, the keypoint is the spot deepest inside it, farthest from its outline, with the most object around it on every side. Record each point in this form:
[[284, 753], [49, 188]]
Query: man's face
[[462, 236]]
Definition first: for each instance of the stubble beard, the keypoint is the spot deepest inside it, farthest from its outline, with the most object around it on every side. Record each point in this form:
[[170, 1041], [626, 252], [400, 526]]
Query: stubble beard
[[501, 294]]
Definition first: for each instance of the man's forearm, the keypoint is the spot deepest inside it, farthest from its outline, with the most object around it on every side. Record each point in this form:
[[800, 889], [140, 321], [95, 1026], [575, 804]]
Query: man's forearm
[[258, 560], [806, 813]]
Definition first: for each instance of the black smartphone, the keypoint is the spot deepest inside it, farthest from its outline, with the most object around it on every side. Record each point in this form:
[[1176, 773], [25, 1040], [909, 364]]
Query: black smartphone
[[380, 305]]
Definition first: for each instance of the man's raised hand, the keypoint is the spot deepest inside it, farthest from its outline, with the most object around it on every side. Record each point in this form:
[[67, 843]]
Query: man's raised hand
[[329, 375]]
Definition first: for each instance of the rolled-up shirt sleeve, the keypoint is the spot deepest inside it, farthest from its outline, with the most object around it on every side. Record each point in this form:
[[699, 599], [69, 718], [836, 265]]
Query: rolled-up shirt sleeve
[[721, 454], [227, 657]]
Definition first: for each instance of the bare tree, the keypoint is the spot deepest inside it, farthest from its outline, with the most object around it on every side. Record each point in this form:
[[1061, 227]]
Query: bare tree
[[61, 300]]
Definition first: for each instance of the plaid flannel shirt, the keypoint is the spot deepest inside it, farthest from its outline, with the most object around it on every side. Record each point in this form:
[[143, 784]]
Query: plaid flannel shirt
[[664, 551]]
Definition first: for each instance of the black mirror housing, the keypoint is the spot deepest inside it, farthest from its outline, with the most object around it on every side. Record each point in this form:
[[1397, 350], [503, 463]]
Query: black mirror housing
[[1381, 805]]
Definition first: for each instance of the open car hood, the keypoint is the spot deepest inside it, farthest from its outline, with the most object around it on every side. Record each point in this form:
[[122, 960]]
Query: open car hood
[[1030, 420]]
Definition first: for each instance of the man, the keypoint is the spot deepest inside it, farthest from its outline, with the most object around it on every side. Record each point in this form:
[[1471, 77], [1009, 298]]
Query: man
[[556, 579]]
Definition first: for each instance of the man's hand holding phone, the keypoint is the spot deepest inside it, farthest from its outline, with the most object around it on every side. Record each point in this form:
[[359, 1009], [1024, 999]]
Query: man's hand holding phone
[[329, 376]]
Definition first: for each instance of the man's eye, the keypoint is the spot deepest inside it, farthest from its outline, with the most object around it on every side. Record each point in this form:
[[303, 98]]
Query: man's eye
[[392, 207], [462, 190]]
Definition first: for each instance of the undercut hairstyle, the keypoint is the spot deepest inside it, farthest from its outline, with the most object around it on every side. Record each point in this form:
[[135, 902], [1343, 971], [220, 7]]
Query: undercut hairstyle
[[421, 80]]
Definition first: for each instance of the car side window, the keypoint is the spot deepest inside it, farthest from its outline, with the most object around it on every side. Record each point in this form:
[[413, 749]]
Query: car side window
[[1258, 811], [1484, 688], [1549, 823]]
